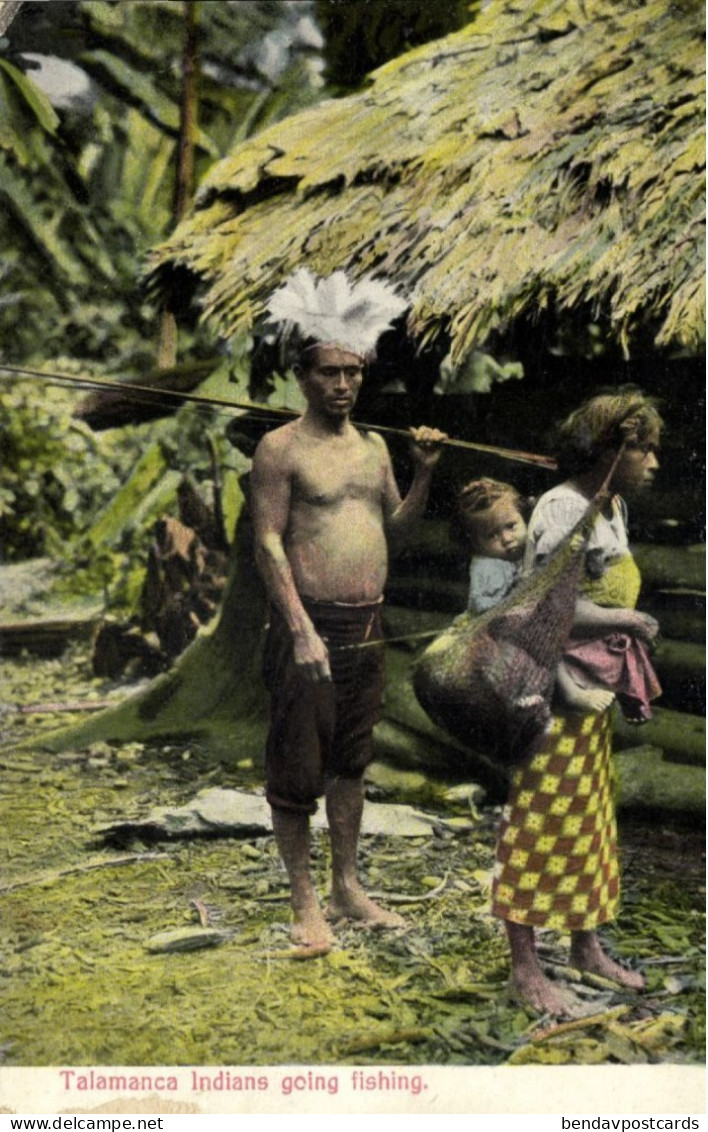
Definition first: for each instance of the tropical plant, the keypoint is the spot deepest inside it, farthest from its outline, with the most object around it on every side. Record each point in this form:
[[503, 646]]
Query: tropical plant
[[88, 186], [55, 474]]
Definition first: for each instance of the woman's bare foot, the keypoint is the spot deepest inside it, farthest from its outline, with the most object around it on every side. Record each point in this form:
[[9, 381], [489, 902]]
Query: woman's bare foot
[[530, 982], [587, 955], [310, 929], [581, 699], [598, 699], [540, 993], [589, 699], [354, 904]]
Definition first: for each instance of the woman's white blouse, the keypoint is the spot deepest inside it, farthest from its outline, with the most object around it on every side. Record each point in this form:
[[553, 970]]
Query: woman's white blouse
[[558, 511]]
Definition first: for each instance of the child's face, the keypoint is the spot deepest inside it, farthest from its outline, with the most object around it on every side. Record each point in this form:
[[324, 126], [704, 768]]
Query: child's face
[[500, 532]]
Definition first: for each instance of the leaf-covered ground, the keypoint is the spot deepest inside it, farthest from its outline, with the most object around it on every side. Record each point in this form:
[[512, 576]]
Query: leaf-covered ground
[[79, 986]]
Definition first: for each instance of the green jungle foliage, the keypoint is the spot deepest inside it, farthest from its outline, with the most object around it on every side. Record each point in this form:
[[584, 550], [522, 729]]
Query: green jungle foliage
[[55, 473], [88, 500], [87, 185]]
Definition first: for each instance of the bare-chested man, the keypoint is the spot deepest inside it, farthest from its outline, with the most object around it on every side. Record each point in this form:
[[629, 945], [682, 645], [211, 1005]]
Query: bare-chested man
[[325, 501]]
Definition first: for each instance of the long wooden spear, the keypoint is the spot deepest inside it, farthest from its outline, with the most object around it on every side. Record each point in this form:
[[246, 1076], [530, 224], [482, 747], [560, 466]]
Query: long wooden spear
[[144, 392]]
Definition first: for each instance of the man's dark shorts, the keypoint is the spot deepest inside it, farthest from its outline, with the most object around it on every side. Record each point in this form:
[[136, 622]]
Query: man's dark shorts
[[322, 731]]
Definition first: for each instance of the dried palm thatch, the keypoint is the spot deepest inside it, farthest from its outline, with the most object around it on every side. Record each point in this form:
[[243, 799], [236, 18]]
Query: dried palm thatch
[[547, 156]]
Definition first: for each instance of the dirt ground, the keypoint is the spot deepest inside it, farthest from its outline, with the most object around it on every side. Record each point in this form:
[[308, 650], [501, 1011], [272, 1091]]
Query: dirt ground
[[80, 987]]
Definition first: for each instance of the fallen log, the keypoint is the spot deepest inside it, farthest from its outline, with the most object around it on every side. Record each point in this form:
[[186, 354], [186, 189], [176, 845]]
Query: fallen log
[[671, 567], [681, 614], [681, 667], [47, 637], [650, 781], [680, 736], [432, 752]]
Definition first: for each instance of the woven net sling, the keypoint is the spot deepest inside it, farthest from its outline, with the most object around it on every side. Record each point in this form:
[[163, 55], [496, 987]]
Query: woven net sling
[[489, 680]]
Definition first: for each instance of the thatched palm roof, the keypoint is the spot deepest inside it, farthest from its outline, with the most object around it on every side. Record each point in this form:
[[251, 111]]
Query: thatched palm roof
[[547, 156]]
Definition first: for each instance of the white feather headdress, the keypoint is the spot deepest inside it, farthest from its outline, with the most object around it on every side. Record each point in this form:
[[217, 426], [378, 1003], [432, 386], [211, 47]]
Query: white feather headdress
[[334, 311]]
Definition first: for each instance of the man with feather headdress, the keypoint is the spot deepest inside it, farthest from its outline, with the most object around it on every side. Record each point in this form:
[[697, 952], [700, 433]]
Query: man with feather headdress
[[325, 502]]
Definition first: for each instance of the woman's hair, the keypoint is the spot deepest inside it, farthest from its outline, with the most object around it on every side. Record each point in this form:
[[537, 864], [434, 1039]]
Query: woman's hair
[[602, 424], [476, 498]]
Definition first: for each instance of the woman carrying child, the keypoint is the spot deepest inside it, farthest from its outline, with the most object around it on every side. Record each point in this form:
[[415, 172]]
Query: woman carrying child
[[491, 521], [557, 862]]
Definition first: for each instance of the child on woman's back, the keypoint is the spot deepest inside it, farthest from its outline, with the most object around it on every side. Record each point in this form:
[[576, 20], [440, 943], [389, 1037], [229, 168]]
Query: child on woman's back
[[491, 521]]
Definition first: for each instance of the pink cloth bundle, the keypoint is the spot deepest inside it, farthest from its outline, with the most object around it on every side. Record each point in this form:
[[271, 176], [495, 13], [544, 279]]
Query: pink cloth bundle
[[618, 662]]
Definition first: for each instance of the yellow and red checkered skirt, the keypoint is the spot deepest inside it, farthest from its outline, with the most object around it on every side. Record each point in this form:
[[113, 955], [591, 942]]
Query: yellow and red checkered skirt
[[556, 863]]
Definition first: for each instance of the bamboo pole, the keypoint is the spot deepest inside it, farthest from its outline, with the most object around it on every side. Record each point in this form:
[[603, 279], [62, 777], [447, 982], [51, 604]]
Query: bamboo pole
[[155, 394]]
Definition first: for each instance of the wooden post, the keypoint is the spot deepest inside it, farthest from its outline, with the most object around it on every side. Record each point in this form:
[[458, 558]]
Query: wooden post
[[184, 174], [8, 11]]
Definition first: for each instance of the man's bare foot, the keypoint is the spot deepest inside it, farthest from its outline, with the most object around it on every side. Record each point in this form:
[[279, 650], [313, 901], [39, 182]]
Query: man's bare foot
[[354, 904], [538, 992], [310, 929], [587, 955]]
